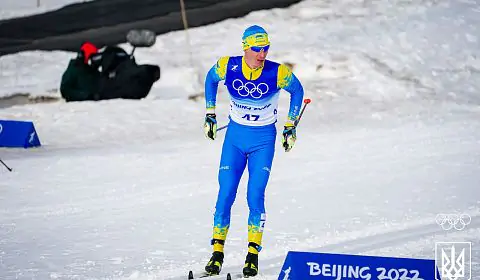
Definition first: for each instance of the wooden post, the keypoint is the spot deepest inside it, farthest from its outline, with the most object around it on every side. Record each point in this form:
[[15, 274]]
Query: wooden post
[[189, 45], [185, 26]]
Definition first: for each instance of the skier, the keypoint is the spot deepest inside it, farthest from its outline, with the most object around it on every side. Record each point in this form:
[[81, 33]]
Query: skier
[[254, 84]]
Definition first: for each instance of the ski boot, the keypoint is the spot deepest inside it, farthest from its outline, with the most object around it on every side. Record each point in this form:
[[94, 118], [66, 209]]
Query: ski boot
[[215, 263], [251, 261]]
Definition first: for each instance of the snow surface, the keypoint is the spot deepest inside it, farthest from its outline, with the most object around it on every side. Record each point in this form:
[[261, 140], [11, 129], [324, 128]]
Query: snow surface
[[126, 189], [18, 8]]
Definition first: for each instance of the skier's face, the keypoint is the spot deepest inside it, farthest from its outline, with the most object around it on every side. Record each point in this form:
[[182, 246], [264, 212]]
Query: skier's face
[[256, 58]]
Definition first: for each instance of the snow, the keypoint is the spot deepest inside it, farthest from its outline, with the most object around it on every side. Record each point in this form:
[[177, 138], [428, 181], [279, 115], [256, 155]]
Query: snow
[[19, 8], [126, 189]]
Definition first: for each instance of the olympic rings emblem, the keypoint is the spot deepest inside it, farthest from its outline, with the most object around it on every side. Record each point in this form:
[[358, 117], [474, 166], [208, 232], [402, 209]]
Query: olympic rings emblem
[[453, 221], [249, 88]]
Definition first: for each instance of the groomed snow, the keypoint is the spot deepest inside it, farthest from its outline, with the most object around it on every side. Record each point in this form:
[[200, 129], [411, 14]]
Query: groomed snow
[[126, 189]]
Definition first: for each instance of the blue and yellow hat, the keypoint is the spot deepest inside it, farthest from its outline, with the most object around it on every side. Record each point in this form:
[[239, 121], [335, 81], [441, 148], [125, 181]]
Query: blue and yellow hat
[[255, 36]]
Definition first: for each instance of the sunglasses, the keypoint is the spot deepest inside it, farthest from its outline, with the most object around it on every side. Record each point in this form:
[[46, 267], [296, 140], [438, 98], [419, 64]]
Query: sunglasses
[[259, 49]]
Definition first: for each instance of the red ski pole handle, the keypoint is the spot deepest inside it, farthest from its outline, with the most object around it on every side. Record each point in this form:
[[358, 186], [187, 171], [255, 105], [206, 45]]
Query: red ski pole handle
[[305, 102]]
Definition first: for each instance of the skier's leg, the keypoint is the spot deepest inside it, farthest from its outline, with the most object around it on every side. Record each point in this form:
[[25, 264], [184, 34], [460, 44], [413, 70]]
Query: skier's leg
[[259, 166], [232, 165]]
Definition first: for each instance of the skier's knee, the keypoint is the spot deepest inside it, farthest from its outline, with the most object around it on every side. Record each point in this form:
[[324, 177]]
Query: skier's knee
[[256, 201], [225, 202], [227, 196]]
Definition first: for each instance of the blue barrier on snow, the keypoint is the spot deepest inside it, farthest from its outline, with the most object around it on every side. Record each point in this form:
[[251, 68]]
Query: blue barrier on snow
[[18, 134], [304, 266]]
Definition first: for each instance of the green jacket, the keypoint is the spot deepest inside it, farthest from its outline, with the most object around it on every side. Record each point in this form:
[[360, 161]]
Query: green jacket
[[80, 82]]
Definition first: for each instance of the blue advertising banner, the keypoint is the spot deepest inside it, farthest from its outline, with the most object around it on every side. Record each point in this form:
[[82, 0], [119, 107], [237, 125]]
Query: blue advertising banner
[[18, 134], [305, 265]]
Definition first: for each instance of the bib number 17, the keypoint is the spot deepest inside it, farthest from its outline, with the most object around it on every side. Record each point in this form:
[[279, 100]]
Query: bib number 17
[[249, 117]]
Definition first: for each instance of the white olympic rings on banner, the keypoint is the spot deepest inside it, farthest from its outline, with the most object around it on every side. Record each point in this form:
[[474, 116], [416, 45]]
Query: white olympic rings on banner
[[249, 88], [453, 221]]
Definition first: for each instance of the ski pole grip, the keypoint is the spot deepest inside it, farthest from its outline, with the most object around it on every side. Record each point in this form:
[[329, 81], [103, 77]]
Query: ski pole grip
[[306, 101]]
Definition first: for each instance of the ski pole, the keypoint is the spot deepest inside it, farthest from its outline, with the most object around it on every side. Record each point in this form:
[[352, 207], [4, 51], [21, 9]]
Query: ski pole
[[9, 169], [306, 102], [222, 127]]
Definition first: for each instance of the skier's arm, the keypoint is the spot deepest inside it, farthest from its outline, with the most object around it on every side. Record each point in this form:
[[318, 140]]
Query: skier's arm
[[215, 75], [289, 82]]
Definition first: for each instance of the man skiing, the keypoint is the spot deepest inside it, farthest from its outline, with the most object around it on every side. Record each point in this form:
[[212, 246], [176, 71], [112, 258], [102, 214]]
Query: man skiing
[[254, 85]]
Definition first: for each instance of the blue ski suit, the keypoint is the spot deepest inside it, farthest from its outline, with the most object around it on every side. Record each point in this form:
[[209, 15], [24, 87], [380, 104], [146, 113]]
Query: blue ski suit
[[251, 133]]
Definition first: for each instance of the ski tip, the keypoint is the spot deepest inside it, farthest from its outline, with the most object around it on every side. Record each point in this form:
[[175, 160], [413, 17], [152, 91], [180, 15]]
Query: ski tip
[[229, 277], [190, 275]]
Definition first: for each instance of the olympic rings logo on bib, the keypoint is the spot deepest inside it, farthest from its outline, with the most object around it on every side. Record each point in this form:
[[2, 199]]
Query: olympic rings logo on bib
[[249, 88]]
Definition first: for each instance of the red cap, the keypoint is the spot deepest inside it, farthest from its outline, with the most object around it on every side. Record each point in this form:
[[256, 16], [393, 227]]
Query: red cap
[[88, 49]]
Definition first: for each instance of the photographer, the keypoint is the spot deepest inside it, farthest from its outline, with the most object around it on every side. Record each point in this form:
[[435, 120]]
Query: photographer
[[80, 81]]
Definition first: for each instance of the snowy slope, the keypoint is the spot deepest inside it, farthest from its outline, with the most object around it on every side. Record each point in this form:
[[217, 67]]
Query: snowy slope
[[125, 189], [18, 8]]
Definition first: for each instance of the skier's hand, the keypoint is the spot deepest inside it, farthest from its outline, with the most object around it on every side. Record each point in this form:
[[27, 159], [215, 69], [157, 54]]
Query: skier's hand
[[289, 136], [210, 126]]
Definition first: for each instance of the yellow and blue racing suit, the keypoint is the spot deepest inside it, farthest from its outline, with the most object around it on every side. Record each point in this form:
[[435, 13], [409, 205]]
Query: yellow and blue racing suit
[[251, 133]]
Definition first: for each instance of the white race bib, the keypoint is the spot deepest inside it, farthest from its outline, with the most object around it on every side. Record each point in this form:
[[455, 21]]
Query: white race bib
[[246, 112]]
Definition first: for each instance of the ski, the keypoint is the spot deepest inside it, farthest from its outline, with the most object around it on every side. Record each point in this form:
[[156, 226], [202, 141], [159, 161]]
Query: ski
[[227, 276]]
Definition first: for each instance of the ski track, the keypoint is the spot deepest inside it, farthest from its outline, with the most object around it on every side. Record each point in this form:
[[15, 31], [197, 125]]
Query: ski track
[[89, 204], [47, 227], [271, 267]]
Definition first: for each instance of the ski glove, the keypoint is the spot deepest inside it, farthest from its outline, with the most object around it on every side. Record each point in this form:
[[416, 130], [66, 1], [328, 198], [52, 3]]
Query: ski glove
[[210, 126], [289, 137]]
